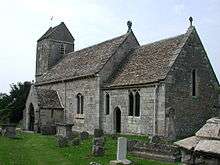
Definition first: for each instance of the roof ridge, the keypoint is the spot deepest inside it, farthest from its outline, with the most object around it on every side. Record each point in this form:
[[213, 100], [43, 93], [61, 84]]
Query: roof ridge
[[75, 52], [97, 44], [162, 40], [173, 51]]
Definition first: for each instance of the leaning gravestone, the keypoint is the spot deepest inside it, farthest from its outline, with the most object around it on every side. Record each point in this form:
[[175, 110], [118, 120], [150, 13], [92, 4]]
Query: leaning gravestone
[[121, 152]]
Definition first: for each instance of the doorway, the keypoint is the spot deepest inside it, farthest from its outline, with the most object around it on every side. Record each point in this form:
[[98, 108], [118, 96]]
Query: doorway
[[31, 118], [117, 120]]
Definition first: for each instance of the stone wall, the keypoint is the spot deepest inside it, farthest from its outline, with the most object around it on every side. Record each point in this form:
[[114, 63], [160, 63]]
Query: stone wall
[[68, 91], [145, 123], [42, 55], [50, 116], [49, 54], [31, 99], [55, 49], [41, 116], [191, 112]]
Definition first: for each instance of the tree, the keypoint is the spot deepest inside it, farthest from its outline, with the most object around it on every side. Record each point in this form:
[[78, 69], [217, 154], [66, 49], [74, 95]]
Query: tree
[[12, 105], [4, 100]]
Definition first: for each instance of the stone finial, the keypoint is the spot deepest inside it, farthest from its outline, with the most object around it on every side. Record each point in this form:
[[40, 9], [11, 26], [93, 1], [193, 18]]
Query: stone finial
[[129, 24], [190, 20]]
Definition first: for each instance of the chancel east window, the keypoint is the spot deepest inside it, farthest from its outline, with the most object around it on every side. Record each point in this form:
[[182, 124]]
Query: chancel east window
[[194, 82], [80, 103], [107, 104]]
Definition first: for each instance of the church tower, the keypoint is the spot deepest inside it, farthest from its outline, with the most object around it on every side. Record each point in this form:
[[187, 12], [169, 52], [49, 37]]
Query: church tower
[[52, 47]]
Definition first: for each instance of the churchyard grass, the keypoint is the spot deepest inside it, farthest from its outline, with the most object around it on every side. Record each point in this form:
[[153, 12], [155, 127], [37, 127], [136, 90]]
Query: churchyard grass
[[36, 149]]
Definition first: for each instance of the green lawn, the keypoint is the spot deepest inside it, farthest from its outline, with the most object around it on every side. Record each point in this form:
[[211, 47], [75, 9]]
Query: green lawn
[[36, 149]]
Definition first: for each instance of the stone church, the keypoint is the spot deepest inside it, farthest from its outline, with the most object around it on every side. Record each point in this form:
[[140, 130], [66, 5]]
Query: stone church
[[165, 88]]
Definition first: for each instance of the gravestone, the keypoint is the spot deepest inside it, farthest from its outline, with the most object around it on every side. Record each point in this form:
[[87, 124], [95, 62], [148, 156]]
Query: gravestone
[[121, 152], [62, 141], [98, 143], [9, 130], [74, 142], [84, 135], [98, 150], [64, 129], [98, 133]]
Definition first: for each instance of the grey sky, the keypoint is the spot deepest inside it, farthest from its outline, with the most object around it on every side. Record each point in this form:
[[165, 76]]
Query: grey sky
[[93, 21]]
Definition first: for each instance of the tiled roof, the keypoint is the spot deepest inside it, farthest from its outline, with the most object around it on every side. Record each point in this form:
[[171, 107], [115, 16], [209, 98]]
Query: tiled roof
[[210, 130], [48, 99], [45, 35], [84, 62], [149, 63], [188, 143], [58, 32], [207, 139], [208, 146]]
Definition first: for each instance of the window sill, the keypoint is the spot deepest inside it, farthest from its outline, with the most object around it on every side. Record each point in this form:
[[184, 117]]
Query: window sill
[[134, 117], [79, 118]]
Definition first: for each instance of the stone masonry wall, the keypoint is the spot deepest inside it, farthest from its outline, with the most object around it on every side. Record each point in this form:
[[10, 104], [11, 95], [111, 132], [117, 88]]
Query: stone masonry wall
[[68, 91], [48, 54], [191, 112], [50, 116], [31, 99], [42, 55], [132, 124]]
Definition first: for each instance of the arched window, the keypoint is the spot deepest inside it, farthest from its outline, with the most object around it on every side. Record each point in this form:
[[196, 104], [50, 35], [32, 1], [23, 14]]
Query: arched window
[[107, 104], [137, 104], [80, 101], [131, 104], [193, 82]]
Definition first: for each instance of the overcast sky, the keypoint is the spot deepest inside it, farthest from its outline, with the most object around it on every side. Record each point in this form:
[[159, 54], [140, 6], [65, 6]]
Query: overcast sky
[[93, 21]]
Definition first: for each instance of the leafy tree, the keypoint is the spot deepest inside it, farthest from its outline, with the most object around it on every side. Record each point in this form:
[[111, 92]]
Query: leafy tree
[[12, 105], [4, 100]]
